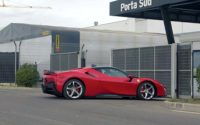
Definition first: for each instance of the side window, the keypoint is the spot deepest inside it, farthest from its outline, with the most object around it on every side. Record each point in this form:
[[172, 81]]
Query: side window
[[112, 72]]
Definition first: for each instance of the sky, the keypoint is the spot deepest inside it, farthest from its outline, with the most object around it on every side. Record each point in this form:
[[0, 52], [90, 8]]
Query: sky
[[68, 13]]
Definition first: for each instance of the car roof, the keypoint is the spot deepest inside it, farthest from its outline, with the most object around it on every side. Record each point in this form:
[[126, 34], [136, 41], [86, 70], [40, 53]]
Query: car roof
[[103, 67]]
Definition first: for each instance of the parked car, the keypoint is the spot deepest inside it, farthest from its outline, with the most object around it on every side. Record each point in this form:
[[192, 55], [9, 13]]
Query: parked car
[[94, 81]]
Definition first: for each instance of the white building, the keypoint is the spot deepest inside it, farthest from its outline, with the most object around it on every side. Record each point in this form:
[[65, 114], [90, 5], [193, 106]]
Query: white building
[[149, 26]]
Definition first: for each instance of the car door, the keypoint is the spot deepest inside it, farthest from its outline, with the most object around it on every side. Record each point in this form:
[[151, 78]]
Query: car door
[[115, 81]]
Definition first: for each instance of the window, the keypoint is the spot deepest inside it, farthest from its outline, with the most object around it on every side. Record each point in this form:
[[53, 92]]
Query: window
[[112, 72], [196, 61]]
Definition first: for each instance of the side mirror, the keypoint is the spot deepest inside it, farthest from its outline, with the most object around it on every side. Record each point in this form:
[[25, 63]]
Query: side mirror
[[130, 77]]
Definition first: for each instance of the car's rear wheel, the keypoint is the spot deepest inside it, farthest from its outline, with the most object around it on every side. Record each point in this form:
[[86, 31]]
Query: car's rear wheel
[[73, 89], [146, 91]]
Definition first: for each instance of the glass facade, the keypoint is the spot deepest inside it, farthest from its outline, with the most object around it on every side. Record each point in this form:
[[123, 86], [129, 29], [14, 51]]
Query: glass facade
[[196, 61]]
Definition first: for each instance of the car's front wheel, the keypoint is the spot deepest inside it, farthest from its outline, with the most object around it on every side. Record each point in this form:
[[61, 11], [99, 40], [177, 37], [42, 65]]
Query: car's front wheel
[[73, 89], [146, 91]]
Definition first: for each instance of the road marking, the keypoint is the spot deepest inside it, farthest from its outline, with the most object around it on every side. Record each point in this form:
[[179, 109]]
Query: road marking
[[195, 113]]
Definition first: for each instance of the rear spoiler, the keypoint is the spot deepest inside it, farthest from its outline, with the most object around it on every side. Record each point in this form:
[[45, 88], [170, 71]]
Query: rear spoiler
[[48, 72]]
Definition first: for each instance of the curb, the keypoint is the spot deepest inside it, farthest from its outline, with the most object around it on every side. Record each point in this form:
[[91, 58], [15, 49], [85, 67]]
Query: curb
[[183, 106]]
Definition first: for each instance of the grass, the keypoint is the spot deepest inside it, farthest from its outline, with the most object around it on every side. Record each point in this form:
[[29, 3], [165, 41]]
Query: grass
[[190, 101], [7, 85], [13, 86]]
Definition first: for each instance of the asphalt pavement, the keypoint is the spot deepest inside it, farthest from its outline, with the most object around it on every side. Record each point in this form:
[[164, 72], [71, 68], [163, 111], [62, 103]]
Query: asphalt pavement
[[32, 107]]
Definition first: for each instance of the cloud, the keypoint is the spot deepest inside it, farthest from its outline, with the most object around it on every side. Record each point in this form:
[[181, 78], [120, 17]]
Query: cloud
[[69, 13]]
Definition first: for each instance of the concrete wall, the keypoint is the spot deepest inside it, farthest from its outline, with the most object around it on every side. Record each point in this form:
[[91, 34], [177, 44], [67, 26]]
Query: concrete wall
[[37, 51]]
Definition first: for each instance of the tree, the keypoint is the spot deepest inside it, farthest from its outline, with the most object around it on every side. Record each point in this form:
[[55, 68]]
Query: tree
[[198, 78], [27, 75]]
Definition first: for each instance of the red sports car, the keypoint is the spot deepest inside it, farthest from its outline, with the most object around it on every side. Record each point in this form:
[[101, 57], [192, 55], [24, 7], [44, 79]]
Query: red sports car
[[94, 81]]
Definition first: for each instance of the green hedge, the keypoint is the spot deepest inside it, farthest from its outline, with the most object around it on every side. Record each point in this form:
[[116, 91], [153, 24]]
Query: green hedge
[[27, 75], [198, 78]]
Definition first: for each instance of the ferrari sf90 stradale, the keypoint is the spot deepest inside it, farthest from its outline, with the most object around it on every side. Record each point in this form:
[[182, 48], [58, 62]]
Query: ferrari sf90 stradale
[[94, 81]]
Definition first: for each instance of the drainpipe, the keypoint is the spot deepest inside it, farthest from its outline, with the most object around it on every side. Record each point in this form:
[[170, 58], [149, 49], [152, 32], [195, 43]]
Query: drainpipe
[[20, 43], [15, 60], [192, 70]]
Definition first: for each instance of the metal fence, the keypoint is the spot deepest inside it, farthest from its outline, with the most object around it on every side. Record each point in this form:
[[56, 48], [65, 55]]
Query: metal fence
[[158, 63], [184, 54], [152, 62], [65, 61], [7, 67]]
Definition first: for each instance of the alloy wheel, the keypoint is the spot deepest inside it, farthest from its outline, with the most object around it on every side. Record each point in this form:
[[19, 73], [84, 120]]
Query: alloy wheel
[[147, 91], [74, 89]]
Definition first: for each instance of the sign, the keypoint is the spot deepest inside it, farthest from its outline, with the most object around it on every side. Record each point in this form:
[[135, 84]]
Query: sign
[[45, 33], [128, 8], [57, 43], [135, 5], [65, 41]]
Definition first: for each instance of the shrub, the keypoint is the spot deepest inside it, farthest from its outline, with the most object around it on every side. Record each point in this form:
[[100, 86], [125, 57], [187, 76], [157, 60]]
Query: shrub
[[198, 78], [27, 75]]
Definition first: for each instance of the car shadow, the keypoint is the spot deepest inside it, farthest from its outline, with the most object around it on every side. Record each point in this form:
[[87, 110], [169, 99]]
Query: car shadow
[[51, 97], [122, 98]]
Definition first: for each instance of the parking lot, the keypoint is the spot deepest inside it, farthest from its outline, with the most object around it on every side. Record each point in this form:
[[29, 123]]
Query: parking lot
[[31, 107]]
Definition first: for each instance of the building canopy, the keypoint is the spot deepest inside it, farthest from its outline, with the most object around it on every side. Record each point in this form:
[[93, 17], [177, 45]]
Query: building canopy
[[179, 10], [18, 31]]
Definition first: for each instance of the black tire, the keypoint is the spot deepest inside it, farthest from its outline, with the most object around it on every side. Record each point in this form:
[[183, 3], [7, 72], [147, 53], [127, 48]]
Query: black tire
[[73, 89], [146, 91]]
